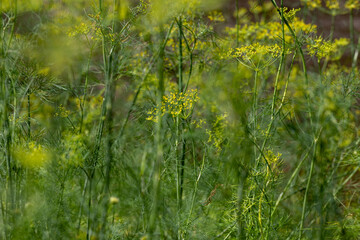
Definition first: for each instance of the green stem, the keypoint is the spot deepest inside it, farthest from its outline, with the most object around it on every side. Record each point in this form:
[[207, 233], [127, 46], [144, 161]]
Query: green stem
[[177, 166], [99, 135], [82, 103], [108, 142], [180, 55], [255, 102], [9, 129], [194, 194], [29, 116], [308, 187], [159, 148], [352, 37], [237, 22], [81, 204]]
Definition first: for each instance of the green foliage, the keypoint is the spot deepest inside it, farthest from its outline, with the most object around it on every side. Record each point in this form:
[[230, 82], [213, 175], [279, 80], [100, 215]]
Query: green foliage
[[158, 119]]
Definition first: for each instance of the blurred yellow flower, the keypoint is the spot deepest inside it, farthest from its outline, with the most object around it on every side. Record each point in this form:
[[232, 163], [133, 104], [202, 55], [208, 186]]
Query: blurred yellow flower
[[32, 157]]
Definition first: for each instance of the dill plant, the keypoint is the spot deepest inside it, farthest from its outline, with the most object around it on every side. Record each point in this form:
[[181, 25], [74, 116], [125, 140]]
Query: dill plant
[[163, 120]]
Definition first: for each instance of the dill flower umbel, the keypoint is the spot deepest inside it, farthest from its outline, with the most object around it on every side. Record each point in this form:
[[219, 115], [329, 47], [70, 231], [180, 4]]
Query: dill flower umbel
[[352, 4], [326, 49], [62, 112], [176, 104], [33, 156], [73, 150], [332, 4], [256, 54], [312, 4], [216, 16], [216, 134]]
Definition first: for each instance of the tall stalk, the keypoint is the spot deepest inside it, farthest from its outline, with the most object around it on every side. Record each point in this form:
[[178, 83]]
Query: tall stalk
[[153, 221], [103, 117], [179, 161], [307, 191], [108, 140], [82, 102], [352, 38], [8, 95], [237, 22], [29, 115], [255, 105]]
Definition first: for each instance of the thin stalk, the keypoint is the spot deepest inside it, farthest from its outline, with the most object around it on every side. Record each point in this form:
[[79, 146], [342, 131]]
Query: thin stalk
[[178, 180], [190, 50], [352, 37], [159, 149], [179, 22], [3, 217], [237, 22], [254, 110], [88, 228], [240, 195], [259, 214], [82, 103], [194, 194], [180, 161], [182, 169], [332, 27], [9, 128], [255, 98], [99, 135], [108, 142], [82, 203], [308, 187], [356, 54], [320, 70], [29, 116], [178, 120]]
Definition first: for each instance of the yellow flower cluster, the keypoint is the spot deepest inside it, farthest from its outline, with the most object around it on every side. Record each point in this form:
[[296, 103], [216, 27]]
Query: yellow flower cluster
[[199, 123], [176, 104], [257, 8], [332, 4], [163, 10], [33, 156], [86, 29], [271, 157], [74, 150], [290, 15], [312, 4], [352, 4], [257, 55], [216, 134], [270, 31], [250, 51], [216, 16], [274, 160], [326, 49], [62, 112], [22, 5]]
